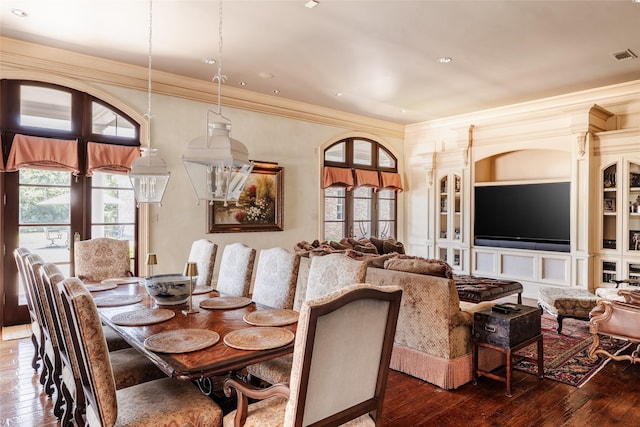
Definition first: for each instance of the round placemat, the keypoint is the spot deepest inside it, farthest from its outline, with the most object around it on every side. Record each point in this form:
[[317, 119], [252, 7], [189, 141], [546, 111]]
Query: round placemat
[[145, 316], [116, 300], [258, 338], [271, 317], [100, 286], [202, 289], [221, 303], [181, 340], [121, 280]]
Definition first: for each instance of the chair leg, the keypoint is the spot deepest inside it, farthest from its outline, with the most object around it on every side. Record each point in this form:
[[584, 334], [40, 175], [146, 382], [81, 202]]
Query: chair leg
[[35, 361], [560, 319]]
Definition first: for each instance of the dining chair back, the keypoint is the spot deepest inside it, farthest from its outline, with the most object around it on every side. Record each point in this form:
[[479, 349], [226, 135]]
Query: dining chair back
[[236, 269], [331, 272], [159, 402], [276, 276], [34, 264], [36, 331], [101, 258], [203, 253], [341, 360]]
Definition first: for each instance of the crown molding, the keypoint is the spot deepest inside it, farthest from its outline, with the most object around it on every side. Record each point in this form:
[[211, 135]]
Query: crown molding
[[30, 56]]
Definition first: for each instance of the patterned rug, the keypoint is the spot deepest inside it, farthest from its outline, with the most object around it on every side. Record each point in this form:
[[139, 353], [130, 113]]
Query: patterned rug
[[566, 358]]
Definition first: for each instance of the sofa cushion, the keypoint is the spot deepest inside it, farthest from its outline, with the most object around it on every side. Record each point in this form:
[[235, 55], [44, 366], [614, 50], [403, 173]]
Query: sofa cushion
[[431, 267]]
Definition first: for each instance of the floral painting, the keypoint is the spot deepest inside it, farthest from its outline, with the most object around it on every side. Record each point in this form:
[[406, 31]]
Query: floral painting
[[259, 207]]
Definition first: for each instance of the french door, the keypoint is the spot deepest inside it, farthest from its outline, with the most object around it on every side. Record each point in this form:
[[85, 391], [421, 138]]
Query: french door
[[46, 209]]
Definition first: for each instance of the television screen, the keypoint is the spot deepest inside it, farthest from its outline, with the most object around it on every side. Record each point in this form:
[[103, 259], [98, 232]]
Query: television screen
[[529, 216]]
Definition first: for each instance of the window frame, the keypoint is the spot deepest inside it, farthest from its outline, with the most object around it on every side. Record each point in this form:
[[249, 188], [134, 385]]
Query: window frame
[[349, 199]]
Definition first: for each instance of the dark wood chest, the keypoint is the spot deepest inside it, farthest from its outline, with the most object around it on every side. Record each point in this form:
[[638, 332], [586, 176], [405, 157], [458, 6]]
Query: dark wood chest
[[506, 329]]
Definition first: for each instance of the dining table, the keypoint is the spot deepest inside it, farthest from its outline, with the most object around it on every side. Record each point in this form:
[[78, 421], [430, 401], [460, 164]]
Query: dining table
[[217, 359]]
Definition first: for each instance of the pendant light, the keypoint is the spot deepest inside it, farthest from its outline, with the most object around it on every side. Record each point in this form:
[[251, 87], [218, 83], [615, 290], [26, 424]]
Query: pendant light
[[217, 165], [149, 174]]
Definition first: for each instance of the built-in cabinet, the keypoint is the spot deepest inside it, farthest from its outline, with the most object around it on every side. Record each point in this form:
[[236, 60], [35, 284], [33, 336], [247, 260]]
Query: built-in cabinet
[[618, 245], [449, 220]]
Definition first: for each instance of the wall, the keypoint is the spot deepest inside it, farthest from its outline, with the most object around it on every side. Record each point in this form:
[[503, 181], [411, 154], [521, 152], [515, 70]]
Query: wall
[[273, 129]]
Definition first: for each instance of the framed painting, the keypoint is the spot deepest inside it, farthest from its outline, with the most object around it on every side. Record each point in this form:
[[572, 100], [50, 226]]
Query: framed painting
[[259, 207]]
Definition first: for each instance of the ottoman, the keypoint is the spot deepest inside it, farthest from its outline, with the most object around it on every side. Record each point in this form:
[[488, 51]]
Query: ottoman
[[567, 302]]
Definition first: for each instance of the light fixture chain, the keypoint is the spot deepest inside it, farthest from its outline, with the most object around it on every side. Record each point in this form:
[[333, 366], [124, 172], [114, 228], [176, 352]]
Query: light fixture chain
[[149, 72], [219, 76]]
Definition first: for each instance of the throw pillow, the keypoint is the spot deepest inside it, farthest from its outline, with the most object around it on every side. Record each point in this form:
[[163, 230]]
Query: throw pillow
[[431, 267], [391, 245], [378, 243]]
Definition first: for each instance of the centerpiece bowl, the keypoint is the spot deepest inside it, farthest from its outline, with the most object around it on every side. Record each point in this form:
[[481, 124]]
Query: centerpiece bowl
[[169, 289]]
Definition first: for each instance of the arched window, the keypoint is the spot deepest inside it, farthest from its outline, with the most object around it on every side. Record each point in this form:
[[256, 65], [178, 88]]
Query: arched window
[[66, 154], [360, 190]]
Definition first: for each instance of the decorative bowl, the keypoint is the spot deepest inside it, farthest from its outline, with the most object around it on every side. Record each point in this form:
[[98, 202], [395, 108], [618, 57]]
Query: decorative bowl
[[169, 289]]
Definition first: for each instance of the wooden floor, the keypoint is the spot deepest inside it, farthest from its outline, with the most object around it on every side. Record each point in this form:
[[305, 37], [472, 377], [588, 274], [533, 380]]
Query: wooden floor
[[612, 397]]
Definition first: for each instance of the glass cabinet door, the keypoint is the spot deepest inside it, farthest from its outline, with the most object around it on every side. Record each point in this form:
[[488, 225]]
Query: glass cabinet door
[[634, 208], [609, 214]]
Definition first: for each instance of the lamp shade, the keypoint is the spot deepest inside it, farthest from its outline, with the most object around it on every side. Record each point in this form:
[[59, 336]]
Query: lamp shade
[[218, 166], [149, 176], [152, 259], [191, 269]]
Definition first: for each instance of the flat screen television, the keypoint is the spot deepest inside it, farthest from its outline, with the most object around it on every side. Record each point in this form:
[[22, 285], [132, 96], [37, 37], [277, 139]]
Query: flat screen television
[[523, 216]]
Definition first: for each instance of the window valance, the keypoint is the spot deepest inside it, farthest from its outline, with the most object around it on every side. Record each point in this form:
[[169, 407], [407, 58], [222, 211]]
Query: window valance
[[366, 178], [343, 177], [391, 181], [43, 153], [110, 158], [338, 177]]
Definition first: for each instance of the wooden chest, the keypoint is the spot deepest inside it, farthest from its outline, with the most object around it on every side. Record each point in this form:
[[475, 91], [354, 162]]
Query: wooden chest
[[506, 329]]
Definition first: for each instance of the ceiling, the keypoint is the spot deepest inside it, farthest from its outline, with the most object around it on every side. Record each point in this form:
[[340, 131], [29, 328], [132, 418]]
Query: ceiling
[[380, 56]]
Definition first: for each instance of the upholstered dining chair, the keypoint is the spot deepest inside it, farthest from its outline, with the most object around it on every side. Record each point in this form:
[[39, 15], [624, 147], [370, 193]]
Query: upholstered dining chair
[[327, 273], [203, 252], [159, 402], [53, 381], [129, 366], [276, 276], [236, 269], [341, 361], [619, 320], [36, 330], [101, 258]]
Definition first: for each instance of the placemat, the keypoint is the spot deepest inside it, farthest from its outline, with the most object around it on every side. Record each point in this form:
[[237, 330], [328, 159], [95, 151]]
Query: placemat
[[258, 338], [121, 280], [116, 300], [144, 316], [271, 317], [222, 303], [202, 289], [100, 286], [181, 340]]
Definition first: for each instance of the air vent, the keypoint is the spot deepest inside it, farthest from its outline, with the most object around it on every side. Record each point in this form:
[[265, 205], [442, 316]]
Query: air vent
[[624, 54]]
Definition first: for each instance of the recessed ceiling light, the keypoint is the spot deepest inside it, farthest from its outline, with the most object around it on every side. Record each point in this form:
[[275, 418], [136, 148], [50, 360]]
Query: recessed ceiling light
[[338, 93], [444, 60], [276, 91], [311, 4], [19, 12], [209, 61], [242, 83]]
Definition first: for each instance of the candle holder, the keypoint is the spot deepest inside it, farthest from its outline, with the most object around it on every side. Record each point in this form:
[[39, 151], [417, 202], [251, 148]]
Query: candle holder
[[190, 269], [152, 260]]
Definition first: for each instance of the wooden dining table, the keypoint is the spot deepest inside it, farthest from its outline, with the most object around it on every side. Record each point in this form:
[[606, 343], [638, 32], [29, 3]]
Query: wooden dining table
[[216, 360]]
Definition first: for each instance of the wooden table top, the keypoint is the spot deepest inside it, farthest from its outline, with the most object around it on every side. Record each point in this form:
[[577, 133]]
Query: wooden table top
[[218, 359]]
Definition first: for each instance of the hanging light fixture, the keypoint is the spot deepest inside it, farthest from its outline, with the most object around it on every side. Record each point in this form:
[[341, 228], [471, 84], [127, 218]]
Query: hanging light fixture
[[217, 165], [149, 174]]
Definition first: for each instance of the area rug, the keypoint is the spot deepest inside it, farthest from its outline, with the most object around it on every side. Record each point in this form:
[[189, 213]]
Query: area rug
[[566, 355]]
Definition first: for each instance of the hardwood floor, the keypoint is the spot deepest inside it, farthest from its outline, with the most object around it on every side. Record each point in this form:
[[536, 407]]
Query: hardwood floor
[[612, 397]]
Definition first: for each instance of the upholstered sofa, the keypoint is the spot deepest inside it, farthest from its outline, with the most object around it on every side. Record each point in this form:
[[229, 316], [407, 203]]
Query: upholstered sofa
[[433, 336]]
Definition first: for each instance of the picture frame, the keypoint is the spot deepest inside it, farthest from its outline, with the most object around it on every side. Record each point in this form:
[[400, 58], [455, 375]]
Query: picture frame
[[259, 207], [634, 240]]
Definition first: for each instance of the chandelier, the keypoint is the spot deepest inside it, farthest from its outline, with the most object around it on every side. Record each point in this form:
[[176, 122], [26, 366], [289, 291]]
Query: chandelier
[[149, 174], [217, 165]]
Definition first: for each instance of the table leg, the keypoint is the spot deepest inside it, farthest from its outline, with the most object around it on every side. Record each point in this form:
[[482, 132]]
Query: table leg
[[540, 358], [474, 363], [508, 373]]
